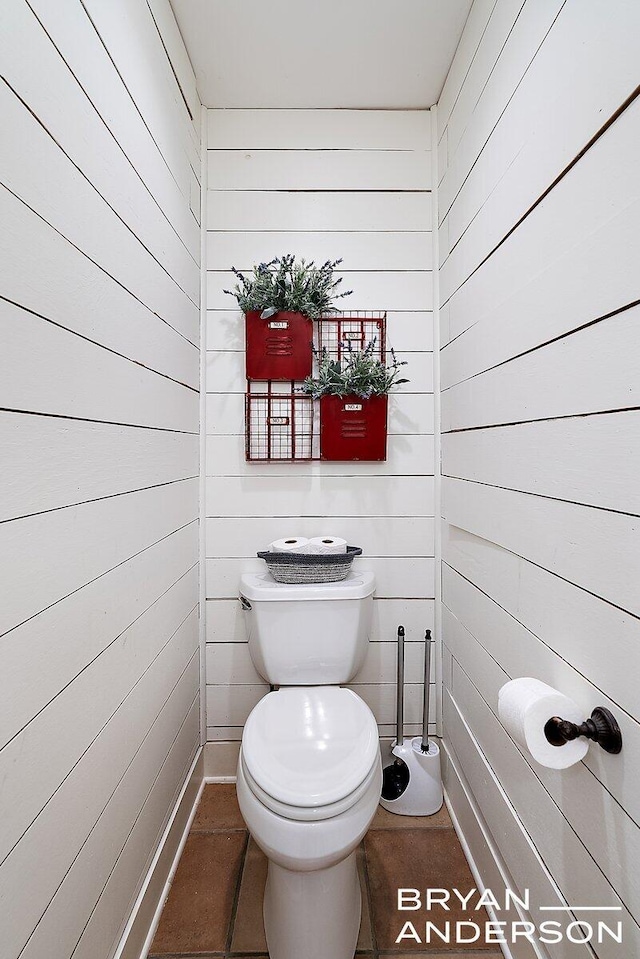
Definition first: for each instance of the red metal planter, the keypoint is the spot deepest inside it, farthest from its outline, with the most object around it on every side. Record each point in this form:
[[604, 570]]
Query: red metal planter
[[278, 348], [352, 428]]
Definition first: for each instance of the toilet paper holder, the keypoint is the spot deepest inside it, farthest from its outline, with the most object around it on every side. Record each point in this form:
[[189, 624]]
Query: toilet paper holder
[[602, 728]]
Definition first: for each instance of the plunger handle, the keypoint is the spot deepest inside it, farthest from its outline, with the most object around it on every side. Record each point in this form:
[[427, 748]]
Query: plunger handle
[[424, 745], [400, 696]]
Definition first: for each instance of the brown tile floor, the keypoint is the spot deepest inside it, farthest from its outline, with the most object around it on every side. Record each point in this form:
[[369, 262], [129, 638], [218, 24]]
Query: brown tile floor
[[214, 908]]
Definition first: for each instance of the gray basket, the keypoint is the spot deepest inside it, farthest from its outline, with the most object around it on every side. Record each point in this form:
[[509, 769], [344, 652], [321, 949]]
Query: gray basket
[[299, 568]]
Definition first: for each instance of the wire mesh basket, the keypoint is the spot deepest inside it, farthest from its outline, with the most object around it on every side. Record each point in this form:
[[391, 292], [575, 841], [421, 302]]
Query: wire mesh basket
[[300, 568], [337, 334], [279, 426]]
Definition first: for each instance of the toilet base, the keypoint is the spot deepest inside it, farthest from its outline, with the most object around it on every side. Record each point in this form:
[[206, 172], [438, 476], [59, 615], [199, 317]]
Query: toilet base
[[313, 914]]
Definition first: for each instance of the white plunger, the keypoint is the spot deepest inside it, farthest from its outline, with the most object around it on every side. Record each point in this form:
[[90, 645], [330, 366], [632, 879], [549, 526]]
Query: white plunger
[[412, 785]]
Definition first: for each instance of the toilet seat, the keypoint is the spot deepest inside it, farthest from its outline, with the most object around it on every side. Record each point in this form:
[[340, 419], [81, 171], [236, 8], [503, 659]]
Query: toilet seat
[[309, 751], [309, 813]]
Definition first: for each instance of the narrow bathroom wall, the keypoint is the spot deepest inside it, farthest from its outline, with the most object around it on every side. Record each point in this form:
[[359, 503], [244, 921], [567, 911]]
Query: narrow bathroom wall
[[321, 184], [539, 203], [99, 381]]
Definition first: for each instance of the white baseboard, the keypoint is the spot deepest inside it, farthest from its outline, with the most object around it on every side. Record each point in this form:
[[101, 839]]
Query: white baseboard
[[486, 863], [140, 929]]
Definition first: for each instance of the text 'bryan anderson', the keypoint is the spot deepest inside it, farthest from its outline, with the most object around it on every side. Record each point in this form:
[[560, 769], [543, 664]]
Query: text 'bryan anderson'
[[438, 928]]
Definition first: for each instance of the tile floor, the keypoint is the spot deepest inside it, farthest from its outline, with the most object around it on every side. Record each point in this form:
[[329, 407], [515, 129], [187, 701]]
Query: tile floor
[[214, 908]]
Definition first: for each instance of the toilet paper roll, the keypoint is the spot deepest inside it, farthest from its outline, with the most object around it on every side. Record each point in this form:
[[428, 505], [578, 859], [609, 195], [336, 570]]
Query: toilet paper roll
[[525, 705], [327, 544], [290, 544]]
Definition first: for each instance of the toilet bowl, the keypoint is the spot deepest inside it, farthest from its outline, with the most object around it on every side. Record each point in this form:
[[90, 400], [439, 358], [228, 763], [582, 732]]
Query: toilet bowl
[[308, 784], [309, 771]]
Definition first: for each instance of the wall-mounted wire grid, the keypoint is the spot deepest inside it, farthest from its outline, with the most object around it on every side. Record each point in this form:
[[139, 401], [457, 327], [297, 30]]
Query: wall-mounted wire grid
[[281, 423], [354, 330]]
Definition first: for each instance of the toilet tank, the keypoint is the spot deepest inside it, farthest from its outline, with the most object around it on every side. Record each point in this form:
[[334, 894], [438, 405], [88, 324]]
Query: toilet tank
[[314, 634]]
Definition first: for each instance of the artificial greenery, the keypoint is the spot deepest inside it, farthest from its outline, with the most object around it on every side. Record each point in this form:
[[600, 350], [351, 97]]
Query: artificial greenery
[[359, 373], [286, 285]]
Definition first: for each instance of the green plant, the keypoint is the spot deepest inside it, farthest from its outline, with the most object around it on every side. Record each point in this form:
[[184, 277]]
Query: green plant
[[286, 285], [359, 372]]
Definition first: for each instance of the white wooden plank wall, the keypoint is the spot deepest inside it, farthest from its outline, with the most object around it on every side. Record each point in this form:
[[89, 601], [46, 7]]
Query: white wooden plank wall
[[99, 380], [539, 197], [321, 184]]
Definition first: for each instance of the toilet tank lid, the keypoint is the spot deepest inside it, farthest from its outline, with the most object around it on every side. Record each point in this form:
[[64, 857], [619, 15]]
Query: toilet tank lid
[[262, 586]]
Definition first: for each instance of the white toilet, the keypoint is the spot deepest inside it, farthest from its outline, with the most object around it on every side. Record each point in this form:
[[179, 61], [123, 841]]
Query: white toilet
[[309, 772]]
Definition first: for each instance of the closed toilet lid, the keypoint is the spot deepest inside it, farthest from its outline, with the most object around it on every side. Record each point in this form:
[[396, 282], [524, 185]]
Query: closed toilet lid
[[310, 746]]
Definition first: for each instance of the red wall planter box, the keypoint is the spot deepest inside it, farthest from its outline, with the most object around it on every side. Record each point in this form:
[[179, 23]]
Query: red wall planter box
[[353, 428], [278, 348]]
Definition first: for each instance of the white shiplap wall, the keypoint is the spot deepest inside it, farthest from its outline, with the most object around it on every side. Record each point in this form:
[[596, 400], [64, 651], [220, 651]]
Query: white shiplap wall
[[539, 207], [99, 382], [321, 183]]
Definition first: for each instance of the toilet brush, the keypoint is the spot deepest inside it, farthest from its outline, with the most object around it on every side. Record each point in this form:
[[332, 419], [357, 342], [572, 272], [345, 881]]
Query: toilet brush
[[412, 784], [396, 777]]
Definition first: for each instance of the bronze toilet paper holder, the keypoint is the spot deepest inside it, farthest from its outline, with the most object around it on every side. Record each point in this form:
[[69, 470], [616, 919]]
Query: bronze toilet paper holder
[[602, 728]]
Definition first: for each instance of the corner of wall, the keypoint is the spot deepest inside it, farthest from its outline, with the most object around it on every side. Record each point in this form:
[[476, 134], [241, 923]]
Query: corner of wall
[[436, 421], [202, 552]]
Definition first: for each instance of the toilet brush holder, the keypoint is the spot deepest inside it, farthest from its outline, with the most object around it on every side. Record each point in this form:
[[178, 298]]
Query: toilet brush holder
[[423, 795], [412, 784]]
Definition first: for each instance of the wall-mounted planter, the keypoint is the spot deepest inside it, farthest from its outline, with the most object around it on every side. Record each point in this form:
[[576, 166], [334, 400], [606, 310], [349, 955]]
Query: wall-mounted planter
[[353, 428], [278, 348]]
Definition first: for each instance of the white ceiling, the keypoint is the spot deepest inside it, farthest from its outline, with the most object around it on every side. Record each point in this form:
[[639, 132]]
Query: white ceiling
[[385, 54]]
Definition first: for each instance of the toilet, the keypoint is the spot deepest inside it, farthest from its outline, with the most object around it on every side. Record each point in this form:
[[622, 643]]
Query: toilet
[[309, 771]]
